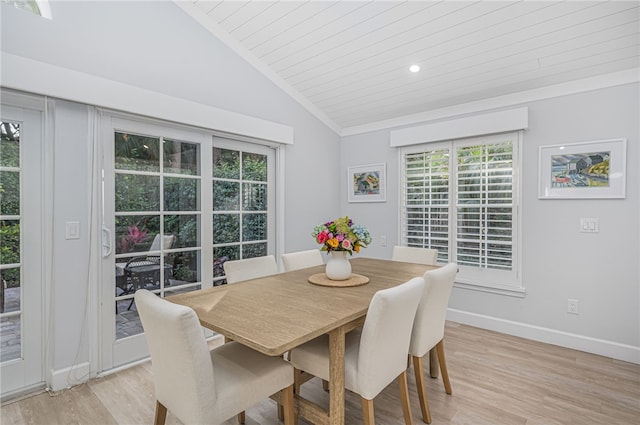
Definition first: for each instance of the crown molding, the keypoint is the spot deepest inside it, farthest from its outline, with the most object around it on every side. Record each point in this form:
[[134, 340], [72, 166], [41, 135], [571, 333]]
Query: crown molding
[[557, 90]]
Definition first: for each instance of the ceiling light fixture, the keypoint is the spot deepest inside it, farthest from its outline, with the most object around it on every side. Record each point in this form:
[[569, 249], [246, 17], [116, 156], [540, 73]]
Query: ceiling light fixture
[[414, 68]]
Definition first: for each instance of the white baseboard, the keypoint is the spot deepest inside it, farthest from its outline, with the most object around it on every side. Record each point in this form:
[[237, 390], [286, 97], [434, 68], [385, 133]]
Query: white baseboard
[[70, 376], [627, 353]]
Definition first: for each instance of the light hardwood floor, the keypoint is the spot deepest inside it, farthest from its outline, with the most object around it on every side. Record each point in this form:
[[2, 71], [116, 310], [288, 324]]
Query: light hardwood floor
[[496, 379]]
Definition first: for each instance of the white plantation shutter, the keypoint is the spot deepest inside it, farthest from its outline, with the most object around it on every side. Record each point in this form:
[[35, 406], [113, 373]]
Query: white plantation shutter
[[484, 205], [460, 197], [426, 199]]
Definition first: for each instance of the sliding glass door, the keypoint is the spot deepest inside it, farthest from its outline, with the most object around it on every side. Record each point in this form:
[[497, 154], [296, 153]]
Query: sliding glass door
[[21, 249], [177, 204]]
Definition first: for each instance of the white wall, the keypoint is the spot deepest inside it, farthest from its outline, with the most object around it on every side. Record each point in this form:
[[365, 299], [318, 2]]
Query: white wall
[[600, 270], [70, 275]]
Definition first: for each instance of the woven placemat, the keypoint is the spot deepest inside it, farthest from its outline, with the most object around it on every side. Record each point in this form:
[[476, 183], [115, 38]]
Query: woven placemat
[[322, 280]]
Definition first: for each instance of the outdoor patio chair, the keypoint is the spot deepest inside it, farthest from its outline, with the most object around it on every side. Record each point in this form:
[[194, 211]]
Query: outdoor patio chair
[[144, 271]]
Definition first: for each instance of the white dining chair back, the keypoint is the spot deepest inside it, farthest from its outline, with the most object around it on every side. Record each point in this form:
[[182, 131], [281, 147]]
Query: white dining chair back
[[428, 328], [250, 268], [410, 254], [374, 355], [198, 385], [301, 259], [179, 354], [386, 332]]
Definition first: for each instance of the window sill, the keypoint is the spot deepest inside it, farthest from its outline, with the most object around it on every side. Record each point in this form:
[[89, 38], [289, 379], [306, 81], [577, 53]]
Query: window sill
[[508, 290]]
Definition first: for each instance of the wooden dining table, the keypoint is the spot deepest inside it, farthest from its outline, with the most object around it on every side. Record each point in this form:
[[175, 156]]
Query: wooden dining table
[[277, 313]]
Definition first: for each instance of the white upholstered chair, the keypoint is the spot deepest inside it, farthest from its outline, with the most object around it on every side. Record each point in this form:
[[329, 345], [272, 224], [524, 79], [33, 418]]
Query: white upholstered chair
[[410, 254], [301, 259], [200, 386], [428, 329], [246, 269], [250, 268], [376, 354]]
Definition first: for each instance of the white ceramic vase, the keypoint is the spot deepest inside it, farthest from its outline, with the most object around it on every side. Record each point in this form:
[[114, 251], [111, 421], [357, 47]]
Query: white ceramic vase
[[338, 266]]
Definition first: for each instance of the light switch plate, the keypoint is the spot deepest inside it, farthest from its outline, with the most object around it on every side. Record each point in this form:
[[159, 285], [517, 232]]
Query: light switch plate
[[72, 230], [589, 225]]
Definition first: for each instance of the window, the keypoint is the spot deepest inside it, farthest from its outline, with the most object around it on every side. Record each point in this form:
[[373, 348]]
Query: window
[[157, 218], [243, 221], [461, 197]]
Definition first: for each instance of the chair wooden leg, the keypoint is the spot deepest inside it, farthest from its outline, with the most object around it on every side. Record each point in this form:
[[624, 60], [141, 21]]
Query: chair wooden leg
[[288, 406], [280, 412], [443, 367], [433, 363], [241, 417], [404, 398], [418, 369], [297, 380], [325, 385], [368, 416], [161, 414]]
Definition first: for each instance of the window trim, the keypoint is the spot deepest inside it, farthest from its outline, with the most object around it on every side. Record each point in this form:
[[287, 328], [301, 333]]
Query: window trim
[[514, 286]]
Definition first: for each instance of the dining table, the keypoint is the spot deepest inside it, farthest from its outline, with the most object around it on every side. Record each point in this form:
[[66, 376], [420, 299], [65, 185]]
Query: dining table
[[276, 313]]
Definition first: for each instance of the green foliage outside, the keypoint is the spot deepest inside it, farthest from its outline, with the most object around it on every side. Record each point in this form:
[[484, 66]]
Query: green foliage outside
[[141, 193], [10, 251], [10, 201]]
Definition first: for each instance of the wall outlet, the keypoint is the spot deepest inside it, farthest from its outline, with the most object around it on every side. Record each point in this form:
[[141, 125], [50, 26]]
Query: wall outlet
[[383, 240], [589, 225], [572, 306]]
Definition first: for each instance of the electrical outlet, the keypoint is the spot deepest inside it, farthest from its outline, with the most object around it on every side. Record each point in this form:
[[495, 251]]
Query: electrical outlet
[[589, 225], [572, 306], [383, 240]]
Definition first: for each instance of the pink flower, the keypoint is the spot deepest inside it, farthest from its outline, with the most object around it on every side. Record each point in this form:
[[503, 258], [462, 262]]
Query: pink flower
[[340, 238], [346, 244], [322, 237]]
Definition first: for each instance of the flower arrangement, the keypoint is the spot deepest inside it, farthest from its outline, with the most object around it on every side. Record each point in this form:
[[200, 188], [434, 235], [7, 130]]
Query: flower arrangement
[[341, 235]]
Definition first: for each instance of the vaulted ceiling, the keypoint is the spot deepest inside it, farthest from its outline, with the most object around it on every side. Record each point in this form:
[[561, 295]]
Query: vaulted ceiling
[[348, 61]]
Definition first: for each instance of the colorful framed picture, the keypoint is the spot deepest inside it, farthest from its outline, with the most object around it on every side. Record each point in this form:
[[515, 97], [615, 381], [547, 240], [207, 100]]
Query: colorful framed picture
[[367, 183], [585, 170]]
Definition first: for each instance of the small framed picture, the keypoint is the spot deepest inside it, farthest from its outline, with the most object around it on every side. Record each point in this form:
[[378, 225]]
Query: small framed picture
[[367, 183], [585, 170]]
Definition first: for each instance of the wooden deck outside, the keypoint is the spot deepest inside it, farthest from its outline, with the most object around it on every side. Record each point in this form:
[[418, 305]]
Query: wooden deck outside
[[127, 324]]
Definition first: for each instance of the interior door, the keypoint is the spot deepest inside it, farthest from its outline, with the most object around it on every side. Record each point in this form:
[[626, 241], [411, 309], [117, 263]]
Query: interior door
[[21, 249]]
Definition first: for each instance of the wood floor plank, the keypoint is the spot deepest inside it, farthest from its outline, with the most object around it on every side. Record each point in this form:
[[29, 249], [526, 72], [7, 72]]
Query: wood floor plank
[[497, 379]]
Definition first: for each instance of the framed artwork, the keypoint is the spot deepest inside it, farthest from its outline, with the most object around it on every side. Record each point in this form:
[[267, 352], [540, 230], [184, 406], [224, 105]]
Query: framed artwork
[[367, 183], [585, 170]]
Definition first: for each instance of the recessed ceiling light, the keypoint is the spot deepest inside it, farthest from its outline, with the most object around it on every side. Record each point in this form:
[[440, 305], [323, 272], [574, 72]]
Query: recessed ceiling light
[[414, 68]]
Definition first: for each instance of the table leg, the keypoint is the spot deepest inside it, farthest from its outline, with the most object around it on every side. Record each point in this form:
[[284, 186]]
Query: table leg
[[336, 376]]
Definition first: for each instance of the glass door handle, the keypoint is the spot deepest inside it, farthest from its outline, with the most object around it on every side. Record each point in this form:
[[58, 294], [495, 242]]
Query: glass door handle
[[106, 241]]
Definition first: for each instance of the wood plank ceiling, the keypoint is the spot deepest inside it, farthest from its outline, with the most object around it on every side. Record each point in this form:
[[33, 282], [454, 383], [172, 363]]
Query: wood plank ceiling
[[350, 59]]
